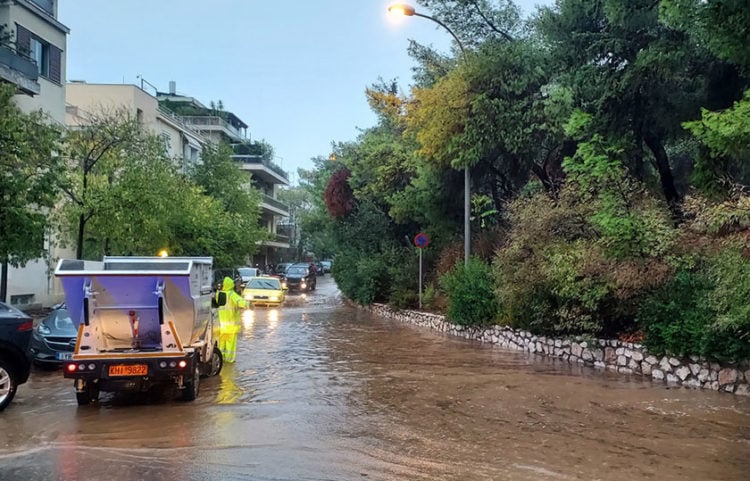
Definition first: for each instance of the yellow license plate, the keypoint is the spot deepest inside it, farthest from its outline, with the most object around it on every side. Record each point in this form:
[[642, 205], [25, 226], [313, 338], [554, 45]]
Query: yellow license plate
[[128, 370]]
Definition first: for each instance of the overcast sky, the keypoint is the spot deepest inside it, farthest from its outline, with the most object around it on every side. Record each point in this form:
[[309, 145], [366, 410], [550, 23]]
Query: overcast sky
[[294, 70]]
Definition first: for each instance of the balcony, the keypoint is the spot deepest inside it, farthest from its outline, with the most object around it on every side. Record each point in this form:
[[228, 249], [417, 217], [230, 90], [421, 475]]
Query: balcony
[[19, 70], [273, 205], [210, 123], [262, 168], [47, 5]]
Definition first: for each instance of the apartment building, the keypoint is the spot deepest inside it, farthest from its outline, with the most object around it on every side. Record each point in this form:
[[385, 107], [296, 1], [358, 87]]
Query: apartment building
[[33, 46], [219, 125], [181, 142]]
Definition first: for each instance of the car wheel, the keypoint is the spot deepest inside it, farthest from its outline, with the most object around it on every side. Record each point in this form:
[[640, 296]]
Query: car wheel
[[190, 391], [8, 384]]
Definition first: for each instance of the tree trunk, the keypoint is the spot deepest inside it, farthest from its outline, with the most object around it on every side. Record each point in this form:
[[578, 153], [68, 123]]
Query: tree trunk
[[81, 228], [665, 171], [4, 281]]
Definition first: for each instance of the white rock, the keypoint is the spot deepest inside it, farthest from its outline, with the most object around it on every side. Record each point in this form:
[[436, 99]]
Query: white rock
[[743, 390], [627, 353], [695, 369], [704, 375], [622, 360], [599, 364], [587, 356], [637, 355], [652, 360], [646, 368], [624, 370], [692, 383], [683, 373], [672, 378], [664, 365], [674, 361], [657, 374], [620, 351]]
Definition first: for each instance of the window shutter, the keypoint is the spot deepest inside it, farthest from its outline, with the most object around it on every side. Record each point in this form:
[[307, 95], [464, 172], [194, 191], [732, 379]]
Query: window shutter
[[23, 40], [55, 61]]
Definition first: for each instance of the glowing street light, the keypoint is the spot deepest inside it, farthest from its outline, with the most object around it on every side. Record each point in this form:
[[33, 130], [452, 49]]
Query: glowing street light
[[409, 11]]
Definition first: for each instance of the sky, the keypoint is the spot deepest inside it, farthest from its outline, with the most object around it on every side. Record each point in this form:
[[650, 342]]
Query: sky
[[295, 71]]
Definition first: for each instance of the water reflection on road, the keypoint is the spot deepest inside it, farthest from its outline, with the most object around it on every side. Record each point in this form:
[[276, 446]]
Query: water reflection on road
[[324, 391]]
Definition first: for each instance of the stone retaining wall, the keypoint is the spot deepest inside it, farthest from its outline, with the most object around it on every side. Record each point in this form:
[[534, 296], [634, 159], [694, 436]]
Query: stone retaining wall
[[622, 357]]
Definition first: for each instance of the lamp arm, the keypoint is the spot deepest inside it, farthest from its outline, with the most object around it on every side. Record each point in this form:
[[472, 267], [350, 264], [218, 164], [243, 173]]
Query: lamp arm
[[460, 45]]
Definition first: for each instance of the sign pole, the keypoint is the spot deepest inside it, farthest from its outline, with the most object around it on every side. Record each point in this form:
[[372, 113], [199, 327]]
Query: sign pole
[[420, 278], [421, 241]]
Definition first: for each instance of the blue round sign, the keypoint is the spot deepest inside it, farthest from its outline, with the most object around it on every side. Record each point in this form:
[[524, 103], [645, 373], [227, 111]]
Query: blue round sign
[[421, 240]]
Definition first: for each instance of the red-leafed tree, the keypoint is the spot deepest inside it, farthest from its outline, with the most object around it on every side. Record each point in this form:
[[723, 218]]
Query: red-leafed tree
[[338, 195]]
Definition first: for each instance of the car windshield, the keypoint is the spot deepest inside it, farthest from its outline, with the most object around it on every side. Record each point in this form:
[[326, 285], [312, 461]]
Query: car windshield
[[247, 272], [62, 320], [264, 284], [297, 271]]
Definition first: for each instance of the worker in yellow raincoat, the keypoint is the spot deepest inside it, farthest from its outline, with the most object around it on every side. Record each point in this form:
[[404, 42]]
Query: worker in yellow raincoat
[[230, 320]]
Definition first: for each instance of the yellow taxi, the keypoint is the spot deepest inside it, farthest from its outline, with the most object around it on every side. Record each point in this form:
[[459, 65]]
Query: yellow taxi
[[264, 291]]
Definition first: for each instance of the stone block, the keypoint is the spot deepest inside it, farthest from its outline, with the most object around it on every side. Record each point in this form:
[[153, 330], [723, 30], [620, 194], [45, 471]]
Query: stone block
[[695, 369], [704, 375], [652, 360], [657, 374], [743, 390], [637, 355], [683, 372], [622, 360], [610, 355], [665, 365], [674, 361], [727, 376], [624, 370], [646, 368], [671, 378]]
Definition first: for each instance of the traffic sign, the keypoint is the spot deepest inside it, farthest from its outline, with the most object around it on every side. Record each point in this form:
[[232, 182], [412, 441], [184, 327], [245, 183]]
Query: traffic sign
[[421, 240]]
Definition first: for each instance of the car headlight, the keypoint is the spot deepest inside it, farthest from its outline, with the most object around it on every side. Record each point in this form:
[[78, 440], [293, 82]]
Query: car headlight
[[303, 285], [274, 298], [42, 329]]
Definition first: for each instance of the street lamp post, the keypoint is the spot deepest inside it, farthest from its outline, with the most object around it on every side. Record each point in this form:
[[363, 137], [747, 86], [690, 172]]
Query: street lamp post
[[409, 11]]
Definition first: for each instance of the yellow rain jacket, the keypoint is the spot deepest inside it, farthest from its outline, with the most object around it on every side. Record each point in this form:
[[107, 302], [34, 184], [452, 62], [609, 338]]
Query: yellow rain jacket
[[230, 318]]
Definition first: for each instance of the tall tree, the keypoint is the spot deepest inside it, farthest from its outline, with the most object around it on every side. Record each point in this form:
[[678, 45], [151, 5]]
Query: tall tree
[[30, 173], [638, 77], [98, 149]]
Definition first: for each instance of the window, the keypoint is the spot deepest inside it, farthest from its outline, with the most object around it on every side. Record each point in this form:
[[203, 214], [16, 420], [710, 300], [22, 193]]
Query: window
[[40, 54], [21, 299], [167, 139], [48, 58]]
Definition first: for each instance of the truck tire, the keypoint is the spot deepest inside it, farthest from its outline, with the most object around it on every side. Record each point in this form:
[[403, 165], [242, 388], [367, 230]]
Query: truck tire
[[216, 363], [190, 391], [8, 383], [90, 394]]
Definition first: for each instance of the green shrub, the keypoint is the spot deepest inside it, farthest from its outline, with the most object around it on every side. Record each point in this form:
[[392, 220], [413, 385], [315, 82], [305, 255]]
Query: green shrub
[[471, 294], [363, 279], [679, 319]]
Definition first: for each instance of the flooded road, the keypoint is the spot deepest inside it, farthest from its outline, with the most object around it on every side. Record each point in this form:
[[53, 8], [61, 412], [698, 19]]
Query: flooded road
[[322, 391]]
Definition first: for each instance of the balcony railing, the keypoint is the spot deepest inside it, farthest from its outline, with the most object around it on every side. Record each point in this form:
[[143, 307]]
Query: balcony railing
[[274, 203], [204, 122], [19, 70], [46, 5], [257, 159]]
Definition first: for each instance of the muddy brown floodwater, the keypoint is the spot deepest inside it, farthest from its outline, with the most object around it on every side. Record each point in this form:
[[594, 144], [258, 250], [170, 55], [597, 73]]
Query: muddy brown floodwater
[[323, 391]]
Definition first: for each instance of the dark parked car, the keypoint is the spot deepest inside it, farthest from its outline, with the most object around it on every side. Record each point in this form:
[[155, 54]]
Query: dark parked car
[[319, 269], [15, 356], [54, 338], [301, 277], [281, 268], [220, 274]]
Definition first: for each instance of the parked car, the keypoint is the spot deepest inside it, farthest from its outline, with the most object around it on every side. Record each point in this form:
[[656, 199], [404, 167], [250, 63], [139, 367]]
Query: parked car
[[281, 268], [319, 269], [247, 273], [327, 265], [220, 274], [264, 291], [54, 338], [15, 355], [301, 277]]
